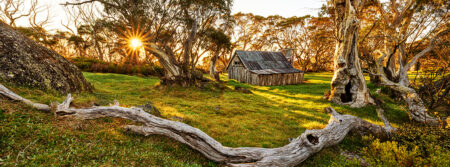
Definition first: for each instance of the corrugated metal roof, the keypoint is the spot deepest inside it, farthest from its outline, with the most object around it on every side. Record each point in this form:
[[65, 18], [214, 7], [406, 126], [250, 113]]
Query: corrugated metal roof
[[261, 62]]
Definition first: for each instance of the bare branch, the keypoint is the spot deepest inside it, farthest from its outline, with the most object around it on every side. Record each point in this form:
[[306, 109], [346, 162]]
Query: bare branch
[[383, 56], [72, 17], [383, 13], [6, 92], [399, 16], [371, 28], [429, 48], [36, 13], [13, 10], [88, 2]]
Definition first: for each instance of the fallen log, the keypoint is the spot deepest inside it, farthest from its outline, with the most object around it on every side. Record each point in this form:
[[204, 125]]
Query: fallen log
[[298, 150], [6, 92]]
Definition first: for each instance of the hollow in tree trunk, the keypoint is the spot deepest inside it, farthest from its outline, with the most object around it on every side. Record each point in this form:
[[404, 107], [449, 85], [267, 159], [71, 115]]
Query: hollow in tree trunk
[[348, 86]]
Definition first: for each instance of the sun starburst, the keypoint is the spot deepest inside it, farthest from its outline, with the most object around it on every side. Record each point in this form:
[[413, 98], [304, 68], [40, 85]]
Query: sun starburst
[[136, 40], [135, 43]]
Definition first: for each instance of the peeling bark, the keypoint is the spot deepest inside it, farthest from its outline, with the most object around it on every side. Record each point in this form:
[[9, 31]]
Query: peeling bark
[[348, 86], [298, 150]]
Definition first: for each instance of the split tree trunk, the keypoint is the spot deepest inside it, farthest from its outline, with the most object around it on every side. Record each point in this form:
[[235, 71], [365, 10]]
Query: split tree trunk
[[176, 73], [167, 61], [348, 86], [298, 150]]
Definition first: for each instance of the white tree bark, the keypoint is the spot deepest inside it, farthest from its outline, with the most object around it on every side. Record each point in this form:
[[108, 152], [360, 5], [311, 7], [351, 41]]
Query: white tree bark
[[348, 86], [167, 61], [416, 109], [397, 30], [298, 150]]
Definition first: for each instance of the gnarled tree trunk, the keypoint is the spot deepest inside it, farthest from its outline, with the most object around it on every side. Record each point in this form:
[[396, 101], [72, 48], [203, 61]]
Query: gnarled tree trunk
[[168, 62], [298, 150], [416, 109], [174, 73], [348, 85], [398, 29], [178, 73]]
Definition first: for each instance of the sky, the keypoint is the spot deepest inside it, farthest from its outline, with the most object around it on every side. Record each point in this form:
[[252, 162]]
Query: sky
[[285, 8]]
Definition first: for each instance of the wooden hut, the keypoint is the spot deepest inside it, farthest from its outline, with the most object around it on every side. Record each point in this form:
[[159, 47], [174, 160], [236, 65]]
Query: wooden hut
[[263, 68]]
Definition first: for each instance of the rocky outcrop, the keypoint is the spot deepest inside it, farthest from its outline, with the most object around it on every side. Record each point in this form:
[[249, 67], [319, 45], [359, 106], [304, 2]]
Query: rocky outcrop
[[27, 63]]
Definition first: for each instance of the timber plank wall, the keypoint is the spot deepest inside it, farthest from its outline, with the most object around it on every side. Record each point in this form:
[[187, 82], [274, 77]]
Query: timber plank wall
[[241, 74]]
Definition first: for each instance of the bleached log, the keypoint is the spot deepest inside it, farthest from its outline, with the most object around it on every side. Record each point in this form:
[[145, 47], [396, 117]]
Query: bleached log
[[310, 142], [13, 96], [298, 150]]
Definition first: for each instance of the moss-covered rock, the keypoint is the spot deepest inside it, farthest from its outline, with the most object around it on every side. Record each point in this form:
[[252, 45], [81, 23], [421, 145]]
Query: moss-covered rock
[[27, 63]]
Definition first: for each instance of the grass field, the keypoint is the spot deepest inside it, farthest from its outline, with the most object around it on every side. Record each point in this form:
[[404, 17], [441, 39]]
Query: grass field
[[266, 118]]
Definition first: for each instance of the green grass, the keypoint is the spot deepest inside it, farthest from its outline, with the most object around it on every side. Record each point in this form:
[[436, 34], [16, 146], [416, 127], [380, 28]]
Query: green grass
[[266, 118]]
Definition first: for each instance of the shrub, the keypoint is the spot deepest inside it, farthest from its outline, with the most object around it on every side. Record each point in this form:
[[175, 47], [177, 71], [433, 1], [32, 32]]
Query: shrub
[[147, 70], [411, 146], [426, 138], [433, 87], [390, 154], [95, 65], [85, 63], [159, 71]]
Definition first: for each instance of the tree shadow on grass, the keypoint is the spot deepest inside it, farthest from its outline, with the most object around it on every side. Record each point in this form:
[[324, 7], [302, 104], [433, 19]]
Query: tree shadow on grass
[[394, 111]]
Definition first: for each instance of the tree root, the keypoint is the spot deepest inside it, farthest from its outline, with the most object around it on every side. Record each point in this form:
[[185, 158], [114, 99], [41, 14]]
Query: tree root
[[298, 150]]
